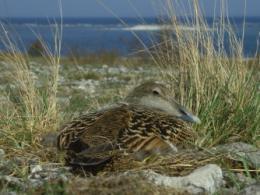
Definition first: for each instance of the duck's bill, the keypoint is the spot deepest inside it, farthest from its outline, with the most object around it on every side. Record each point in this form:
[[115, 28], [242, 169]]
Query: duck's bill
[[190, 118], [187, 116]]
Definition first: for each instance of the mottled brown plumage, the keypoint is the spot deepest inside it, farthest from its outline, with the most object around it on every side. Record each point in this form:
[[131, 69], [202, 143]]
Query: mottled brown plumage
[[150, 121]]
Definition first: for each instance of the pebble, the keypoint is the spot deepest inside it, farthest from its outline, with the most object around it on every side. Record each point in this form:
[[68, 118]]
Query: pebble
[[206, 179], [251, 190], [241, 151]]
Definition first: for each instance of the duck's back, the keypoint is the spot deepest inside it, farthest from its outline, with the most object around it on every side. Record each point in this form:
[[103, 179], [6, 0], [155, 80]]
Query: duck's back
[[95, 137], [94, 129]]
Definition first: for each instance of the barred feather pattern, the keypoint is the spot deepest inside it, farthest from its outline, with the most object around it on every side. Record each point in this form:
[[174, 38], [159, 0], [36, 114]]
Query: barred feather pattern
[[128, 128]]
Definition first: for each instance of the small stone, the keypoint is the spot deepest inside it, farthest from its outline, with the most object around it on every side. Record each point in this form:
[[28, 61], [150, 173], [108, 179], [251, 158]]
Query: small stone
[[105, 66], [35, 168], [11, 181], [35, 183], [48, 172], [206, 179], [123, 69], [242, 150], [251, 190], [7, 193], [246, 180]]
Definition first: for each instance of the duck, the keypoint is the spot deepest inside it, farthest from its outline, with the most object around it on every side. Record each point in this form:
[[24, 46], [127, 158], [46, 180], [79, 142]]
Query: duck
[[149, 121]]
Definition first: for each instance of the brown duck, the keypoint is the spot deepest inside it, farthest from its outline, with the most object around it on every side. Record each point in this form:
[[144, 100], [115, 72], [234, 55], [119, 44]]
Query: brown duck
[[149, 121]]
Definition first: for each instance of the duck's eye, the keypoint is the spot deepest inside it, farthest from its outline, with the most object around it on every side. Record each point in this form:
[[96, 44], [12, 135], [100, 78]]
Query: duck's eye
[[156, 92]]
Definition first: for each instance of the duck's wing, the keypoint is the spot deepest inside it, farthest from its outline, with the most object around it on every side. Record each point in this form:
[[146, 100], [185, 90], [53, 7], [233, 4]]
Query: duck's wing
[[91, 138], [152, 132], [156, 131], [176, 130]]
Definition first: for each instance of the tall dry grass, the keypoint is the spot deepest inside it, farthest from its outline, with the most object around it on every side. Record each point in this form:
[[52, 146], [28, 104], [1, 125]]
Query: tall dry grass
[[29, 110], [209, 74]]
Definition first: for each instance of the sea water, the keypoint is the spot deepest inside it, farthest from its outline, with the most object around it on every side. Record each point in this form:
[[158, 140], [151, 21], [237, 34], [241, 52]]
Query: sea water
[[124, 36]]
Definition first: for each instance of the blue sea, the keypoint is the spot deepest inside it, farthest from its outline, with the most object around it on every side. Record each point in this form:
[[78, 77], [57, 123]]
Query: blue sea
[[86, 35]]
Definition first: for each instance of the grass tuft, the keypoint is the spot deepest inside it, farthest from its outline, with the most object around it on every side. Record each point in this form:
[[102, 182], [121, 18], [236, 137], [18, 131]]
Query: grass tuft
[[212, 79], [30, 108]]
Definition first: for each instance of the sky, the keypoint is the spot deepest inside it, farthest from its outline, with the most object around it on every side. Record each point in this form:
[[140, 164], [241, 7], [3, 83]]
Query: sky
[[110, 8]]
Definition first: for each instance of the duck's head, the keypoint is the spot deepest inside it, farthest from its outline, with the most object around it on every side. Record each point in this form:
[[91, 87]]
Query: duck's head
[[157, 95]]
